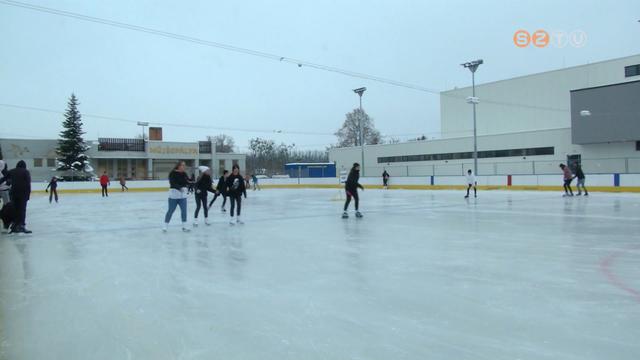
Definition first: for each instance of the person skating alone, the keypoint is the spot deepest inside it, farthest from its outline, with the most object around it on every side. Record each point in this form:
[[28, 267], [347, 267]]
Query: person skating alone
[[235, 187], [581, 178], [568, 177], [254, 178], [471, 182], [123, 183], [351, 189], [203, 186], [221, 190], [20, 194], [178, 193], [385, 179], [53, 184], [104, 183]]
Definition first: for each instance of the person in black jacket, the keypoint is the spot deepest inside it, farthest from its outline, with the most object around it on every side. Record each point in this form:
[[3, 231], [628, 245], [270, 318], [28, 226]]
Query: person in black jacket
[[351, 188], [20, 193], [221, 190], [385, 179], [178, 193], [53, 184], [203, 186], [235, 187], [4, 182], [580, 175]]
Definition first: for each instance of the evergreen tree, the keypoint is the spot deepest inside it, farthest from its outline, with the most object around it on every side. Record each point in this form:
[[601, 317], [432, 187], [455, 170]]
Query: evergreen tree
[[71, 146]]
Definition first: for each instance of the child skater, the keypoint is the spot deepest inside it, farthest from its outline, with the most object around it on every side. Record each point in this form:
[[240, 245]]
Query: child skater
[[351, 188], [568, 177], [203, 186], [471, 181], [53, 184], [221, 190], [178, 193], [235, 187], [581, 178], [123, 183]]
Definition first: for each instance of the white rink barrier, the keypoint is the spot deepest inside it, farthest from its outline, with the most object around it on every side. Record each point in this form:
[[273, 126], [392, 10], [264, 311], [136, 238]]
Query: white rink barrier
[[599, 182]]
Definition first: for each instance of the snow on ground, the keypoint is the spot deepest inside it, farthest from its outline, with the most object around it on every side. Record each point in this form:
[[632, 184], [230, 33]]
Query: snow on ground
[[425, 275]]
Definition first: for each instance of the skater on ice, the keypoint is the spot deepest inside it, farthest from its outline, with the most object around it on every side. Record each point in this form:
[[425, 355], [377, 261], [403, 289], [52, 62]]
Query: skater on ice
[[20, 193], [254, 178], [203, 186], [471, 182], [581, 178], [235, 186], [53, 185], [178, 193], [123, 183], [567, 177], [221, 190], [104, 182], [351, 190], [385, 179]]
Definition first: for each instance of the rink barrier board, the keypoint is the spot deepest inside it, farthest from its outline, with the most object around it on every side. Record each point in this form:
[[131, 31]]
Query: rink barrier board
[[614, 189]]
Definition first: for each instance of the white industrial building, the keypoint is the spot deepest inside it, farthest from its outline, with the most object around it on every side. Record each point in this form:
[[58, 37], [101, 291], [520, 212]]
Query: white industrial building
[[526, 126]]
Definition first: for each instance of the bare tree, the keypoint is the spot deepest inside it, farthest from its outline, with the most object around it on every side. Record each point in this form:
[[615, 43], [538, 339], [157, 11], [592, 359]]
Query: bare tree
[[223, 143], [350, 130]]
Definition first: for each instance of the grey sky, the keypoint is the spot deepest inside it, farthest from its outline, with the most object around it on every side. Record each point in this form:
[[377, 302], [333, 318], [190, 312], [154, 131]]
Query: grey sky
[[121, 73]]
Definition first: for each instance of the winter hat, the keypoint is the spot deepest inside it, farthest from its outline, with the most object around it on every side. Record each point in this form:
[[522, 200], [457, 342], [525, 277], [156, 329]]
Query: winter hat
[[21, 164], [203, 168]]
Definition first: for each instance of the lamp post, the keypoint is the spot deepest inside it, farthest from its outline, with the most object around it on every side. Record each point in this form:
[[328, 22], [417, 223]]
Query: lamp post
[[361, 91], [473, 66], [143, 124]]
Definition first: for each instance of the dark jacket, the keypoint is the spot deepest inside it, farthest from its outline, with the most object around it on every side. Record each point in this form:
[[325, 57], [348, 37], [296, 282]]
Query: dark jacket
[[20, 181], [221, 186], [204, 184], [53, 184], [235, 185], [579, 173], [178, 180], [352, 184]]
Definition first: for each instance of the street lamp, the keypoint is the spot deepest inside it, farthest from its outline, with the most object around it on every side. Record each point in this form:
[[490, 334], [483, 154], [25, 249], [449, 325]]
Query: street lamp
[[143, 124], [361, 91], [473, 100]]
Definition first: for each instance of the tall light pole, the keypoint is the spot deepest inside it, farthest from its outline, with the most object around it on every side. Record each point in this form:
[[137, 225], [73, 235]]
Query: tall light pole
[[473, 66], [361, 91], [143, 124]]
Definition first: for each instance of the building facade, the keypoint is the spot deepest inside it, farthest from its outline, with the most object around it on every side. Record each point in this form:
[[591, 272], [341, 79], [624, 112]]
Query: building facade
[[526, 126], [132, 158]]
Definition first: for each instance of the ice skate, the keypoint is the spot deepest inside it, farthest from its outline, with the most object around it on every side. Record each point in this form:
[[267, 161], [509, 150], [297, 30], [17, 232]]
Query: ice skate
[[239, 221], [345, 215], [165, 227], [206, 221], [222, 209], [358, 214], [185, 228], [232, 221], [195, 222]]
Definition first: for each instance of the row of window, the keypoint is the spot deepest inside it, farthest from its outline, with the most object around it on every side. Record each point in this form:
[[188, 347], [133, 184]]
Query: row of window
[[632, 70], [469, 155], [40, 162]]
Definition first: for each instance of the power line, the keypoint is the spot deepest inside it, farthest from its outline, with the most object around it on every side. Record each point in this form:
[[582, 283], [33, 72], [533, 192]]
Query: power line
[[170, 124], [246, 51]]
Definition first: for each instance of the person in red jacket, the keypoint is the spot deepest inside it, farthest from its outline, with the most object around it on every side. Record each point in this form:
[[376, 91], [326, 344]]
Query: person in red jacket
[[104, 182]]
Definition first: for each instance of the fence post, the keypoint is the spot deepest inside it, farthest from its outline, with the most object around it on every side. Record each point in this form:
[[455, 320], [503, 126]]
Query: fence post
[[533, 166]]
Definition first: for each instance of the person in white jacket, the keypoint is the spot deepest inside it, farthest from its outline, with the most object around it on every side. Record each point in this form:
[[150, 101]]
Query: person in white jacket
[[471, 182], [4, 182]]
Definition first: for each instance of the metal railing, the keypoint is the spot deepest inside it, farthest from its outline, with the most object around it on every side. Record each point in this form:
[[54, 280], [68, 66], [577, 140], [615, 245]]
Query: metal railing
[[118, 144], [626, 165]]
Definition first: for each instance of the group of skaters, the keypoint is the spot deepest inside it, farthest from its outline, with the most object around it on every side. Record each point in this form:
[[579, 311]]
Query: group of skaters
[[568, 177], [230, 186]]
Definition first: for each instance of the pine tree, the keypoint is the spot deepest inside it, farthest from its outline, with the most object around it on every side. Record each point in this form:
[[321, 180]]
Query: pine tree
[[71, 146]]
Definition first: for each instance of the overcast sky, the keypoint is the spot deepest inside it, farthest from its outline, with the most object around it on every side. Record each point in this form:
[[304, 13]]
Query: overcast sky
[[127, 74]]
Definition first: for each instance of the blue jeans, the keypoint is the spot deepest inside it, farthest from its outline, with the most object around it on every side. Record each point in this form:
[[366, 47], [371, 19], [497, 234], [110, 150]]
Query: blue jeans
[[172, 207]]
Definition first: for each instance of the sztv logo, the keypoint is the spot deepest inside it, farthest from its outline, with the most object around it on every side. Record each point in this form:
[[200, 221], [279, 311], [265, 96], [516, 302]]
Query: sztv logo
[[542, 38]]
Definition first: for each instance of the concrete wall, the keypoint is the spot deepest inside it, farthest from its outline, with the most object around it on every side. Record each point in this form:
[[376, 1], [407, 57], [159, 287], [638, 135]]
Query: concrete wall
[[533, 102]]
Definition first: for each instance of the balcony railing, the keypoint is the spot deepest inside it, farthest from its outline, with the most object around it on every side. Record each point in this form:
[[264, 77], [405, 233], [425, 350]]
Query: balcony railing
[[116, 144]]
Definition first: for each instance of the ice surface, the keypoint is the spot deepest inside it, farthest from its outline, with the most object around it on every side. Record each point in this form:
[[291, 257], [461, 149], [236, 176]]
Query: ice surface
[[425, 275]]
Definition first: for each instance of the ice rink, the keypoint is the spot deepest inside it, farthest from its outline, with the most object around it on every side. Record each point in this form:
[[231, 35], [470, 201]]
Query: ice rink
[[425, 275]]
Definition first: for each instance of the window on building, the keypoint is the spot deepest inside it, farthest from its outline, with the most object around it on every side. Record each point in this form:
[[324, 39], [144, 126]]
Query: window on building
[[51, 162], [37, 162], [632, 70], [469, 155]]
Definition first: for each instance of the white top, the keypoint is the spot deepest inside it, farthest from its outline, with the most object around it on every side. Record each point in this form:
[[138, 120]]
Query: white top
[[178, 194], [471, 179]]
